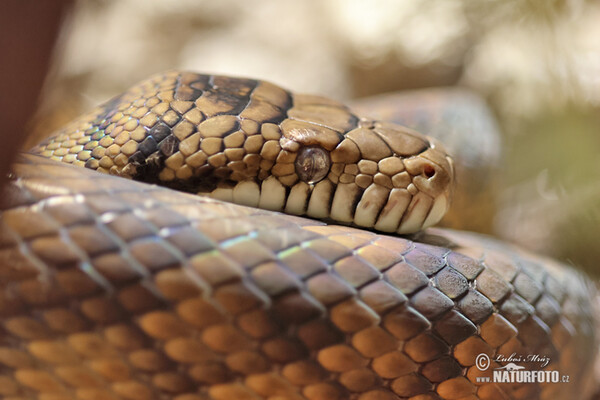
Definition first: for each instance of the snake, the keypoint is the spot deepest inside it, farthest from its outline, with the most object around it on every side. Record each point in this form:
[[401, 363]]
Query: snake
[[228, 239]]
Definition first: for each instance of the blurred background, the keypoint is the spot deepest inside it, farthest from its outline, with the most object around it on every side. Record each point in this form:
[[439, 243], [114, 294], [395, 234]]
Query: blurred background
[[535, 62]]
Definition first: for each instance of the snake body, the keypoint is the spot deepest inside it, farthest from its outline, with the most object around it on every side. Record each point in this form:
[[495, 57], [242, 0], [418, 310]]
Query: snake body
[[113, 289]]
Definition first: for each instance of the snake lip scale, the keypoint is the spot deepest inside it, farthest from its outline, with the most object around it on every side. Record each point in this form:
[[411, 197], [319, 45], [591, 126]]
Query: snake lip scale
[[116, 289]]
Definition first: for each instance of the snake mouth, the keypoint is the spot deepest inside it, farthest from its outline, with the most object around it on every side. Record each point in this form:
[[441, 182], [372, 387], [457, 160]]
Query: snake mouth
[[399, 210], [413, 199]]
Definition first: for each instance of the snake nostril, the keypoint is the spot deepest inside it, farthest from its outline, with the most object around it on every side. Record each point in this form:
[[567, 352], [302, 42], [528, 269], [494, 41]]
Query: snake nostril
[[428, 170]]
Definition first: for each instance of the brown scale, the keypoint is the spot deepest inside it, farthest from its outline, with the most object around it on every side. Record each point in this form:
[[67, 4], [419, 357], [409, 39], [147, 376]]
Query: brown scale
[[232, 302]]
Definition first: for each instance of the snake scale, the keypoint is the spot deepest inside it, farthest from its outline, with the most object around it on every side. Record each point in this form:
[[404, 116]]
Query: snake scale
[[114, 289]]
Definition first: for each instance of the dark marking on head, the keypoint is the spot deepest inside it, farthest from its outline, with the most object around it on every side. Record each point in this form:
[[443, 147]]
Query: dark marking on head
[[159, 131], [201, 83], [138, 158], [148, 146], [186, 93], [169, 146]]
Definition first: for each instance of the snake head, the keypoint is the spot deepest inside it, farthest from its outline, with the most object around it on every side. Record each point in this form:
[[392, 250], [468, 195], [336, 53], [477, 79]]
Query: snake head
[[375, 175], [253, 143]]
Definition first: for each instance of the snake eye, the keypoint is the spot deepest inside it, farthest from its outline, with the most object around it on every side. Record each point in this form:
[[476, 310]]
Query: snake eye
[[312, 164]]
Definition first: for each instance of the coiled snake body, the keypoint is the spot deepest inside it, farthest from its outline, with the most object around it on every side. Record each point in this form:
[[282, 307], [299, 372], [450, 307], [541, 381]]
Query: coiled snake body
[[113, 289]]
